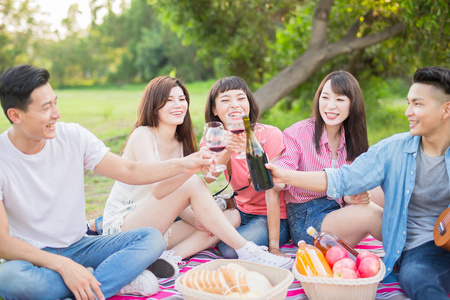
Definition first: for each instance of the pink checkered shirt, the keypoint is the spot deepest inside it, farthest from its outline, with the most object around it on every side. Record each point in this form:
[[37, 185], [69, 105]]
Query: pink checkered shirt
[[300, 155]]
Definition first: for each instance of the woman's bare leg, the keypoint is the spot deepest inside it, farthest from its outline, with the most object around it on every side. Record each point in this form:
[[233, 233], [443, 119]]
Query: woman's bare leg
[[185, 240], [377, 196], [354, 222], [161, 213]]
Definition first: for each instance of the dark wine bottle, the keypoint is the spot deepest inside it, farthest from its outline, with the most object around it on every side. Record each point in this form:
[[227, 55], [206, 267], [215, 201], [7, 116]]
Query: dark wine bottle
[[256, 159]]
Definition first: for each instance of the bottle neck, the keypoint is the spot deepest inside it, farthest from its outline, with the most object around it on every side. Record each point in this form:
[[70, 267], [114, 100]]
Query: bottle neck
[[248, 127], [314, 234], [252, 141]]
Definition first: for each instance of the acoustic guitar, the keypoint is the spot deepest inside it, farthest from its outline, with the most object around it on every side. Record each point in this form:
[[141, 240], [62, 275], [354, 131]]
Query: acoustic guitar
[[441, 232]]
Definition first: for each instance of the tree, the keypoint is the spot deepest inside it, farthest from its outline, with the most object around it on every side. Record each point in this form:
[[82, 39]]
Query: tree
[[231, 35], [145, 48], [19, 31], [327, 30]]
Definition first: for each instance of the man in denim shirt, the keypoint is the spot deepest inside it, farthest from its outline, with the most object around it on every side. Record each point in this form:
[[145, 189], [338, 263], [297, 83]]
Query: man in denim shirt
[[413, 170]]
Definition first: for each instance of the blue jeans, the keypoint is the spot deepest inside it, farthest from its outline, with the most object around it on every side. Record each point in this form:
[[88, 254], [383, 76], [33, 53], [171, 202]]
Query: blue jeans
[[425, 272], [254, 228], [98, 226], [311, 213], [117, 260]]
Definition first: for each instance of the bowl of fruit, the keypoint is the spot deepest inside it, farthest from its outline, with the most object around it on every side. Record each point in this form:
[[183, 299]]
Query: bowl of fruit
[[342, 277]]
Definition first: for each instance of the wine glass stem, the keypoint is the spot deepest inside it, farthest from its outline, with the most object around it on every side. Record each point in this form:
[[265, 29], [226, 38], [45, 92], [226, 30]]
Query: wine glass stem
[[214, 165]]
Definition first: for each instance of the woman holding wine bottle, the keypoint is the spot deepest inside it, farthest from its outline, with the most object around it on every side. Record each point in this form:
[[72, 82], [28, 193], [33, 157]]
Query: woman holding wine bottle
[[335, 135], [230, 96], [164, 131]]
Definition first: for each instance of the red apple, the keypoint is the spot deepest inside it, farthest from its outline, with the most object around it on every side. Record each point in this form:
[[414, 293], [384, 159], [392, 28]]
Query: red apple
[[369, 266], [344, 263], [345, 273], [363, 254], [334, 254]]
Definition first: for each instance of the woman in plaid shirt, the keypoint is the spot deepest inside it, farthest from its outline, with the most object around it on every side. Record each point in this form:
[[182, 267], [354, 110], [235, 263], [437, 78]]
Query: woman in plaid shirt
[[335, 135]]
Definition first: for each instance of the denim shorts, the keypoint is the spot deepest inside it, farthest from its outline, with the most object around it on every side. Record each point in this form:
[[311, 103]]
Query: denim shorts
[[311, 213]]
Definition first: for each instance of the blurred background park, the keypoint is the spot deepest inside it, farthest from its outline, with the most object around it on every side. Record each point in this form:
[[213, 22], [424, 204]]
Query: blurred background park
[[102, 53]]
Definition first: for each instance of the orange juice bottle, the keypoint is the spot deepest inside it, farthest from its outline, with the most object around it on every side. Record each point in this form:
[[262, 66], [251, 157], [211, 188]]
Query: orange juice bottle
[[311, 262]]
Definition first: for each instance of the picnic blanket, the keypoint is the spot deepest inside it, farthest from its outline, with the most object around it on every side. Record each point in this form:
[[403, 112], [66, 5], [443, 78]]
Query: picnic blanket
[[385, 291]]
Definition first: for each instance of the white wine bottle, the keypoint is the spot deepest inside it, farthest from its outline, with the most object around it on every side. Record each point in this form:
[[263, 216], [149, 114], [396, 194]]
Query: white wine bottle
[[256, 160]]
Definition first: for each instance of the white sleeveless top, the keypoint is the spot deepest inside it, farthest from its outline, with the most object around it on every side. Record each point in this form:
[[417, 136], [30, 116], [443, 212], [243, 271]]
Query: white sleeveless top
[[124, 198]]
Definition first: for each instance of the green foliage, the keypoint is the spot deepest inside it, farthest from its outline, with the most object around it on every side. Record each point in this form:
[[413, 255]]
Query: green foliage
[[200, 39], [255, 39], [132, 46], [235, 31], [145, 47], [428, 39], [18, 31]]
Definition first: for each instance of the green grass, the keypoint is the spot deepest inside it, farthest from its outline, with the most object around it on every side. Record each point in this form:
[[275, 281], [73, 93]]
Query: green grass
[[110, 112]]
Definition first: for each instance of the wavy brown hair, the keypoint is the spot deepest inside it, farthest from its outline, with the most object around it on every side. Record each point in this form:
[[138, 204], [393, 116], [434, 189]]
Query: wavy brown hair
[[344, 83], [225, 84], [156, 95]]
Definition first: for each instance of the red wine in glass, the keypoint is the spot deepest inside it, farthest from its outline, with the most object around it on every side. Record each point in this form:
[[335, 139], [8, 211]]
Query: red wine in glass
[[216, 139], [236, 125], [237, 131], [217, 149]]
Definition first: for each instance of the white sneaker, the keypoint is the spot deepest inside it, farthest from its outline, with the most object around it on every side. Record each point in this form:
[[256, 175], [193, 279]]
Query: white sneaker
[[259, 254], [145, 284], [166, 265]]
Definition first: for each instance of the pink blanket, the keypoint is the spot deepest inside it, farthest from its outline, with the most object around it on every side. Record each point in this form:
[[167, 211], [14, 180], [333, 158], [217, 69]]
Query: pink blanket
[[295, 291]]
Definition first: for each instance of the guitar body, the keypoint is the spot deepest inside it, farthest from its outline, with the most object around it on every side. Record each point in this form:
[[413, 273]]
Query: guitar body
[[441, 232]]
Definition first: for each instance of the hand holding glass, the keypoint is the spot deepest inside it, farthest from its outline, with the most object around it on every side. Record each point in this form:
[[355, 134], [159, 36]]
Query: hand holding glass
[[216, 139]]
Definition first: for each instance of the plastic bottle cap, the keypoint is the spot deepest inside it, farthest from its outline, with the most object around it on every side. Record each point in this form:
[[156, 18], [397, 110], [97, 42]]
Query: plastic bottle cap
[[301, 242], [311, 230]]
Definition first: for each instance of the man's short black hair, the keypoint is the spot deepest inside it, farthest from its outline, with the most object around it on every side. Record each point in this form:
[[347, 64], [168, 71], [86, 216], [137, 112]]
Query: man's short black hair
[[436, 76], [17, 84]]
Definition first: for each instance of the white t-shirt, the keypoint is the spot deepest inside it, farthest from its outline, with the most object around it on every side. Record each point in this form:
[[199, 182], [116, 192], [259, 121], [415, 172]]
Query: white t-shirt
[[43, 193]]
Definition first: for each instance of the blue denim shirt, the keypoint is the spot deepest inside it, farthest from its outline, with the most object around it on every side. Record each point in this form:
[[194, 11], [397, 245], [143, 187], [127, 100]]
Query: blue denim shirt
[[390, 164]]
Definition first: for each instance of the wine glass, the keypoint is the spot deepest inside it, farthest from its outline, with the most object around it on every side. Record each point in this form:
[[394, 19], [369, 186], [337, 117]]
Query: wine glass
[[235, 125], [216, 139], [260, 133]]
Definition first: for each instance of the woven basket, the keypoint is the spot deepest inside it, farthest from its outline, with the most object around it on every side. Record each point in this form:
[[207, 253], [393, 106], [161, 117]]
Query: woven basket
[[322, 288], [281, 279]]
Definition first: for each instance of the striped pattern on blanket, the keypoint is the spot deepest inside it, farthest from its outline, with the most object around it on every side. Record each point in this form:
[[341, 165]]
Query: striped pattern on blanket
[[295, 291]]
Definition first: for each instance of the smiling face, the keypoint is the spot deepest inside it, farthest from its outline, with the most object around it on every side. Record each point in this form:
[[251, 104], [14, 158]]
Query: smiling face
[[426, 108], [37, 123], [229, 102], [174, 111], [334, 108]]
